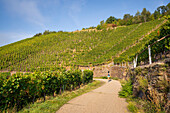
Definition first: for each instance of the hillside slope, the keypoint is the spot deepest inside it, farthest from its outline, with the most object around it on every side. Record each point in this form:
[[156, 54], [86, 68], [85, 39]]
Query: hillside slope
[[80, 48]]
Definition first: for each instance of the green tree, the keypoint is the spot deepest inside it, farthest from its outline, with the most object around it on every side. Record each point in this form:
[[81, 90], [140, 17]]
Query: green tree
[[148, 14], [38, 34], [168, 9], [110, 20], [137, 18], [121, 22], [99, 27], [152, 17], [156, 14], [118, 22], [162, 9], [46, 32], [115, 22], [145, 15], [138, 14], [128, 19], [102, 23]]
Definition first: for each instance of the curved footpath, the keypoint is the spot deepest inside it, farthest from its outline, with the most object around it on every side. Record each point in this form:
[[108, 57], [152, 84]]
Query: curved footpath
[[101, 100]]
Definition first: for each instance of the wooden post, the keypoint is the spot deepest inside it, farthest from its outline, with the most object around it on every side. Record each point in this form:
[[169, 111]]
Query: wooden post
[[149, 50], [135, 61]]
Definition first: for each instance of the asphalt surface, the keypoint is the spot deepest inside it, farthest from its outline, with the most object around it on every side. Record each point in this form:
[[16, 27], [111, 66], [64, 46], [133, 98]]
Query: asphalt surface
[[101, 100]]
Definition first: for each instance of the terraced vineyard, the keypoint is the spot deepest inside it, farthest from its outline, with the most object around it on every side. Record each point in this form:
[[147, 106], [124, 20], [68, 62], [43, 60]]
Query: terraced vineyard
[[80, 48]]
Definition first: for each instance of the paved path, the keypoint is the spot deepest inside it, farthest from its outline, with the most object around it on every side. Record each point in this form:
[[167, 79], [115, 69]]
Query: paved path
[[101, 100]]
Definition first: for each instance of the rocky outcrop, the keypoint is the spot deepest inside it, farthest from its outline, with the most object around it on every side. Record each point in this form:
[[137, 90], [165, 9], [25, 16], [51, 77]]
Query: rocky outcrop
[[152, 82]]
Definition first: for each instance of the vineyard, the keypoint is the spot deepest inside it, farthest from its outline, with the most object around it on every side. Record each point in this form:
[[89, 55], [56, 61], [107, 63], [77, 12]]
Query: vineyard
[[54, 50], [21, 89], [43, 59]]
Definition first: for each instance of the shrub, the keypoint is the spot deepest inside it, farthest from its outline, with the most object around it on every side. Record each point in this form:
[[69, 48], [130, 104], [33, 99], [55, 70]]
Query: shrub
[[99, 27], [92, 27], [132, 108], [104, 77], [127, 89], [46, 32], [87, 76], [143, 83], [38, 34]]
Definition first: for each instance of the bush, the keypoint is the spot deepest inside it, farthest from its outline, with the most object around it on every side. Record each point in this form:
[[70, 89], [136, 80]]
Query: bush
[[104, 77], [143, 83], [127, 89], [132, 108], [38, 34], [99, 27], [87, 76], [92, 27], [46, 32]]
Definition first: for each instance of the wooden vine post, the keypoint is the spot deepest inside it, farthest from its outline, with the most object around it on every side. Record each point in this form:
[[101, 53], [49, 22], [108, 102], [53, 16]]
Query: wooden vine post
[[149, 51], [135, 61]]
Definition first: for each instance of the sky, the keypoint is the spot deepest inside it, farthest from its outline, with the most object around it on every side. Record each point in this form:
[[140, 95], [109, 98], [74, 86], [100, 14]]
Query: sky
[[20, 19]]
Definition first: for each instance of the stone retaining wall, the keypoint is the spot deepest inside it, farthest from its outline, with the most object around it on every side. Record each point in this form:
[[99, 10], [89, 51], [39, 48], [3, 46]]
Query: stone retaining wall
[[152, 82], [115, 71]]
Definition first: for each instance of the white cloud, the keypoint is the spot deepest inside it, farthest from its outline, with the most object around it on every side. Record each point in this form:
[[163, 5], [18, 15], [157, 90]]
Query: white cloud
[[26, 9]]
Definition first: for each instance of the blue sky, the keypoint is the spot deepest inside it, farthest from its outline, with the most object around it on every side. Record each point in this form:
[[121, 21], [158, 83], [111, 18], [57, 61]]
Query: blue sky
[[20, 19]]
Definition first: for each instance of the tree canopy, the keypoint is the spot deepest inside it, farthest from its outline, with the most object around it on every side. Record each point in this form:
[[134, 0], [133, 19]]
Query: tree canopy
[[143, 16], [110, 20]]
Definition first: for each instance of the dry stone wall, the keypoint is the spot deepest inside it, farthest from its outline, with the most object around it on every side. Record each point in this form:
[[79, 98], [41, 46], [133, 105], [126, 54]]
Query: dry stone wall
[[152, 82], [115, 71]]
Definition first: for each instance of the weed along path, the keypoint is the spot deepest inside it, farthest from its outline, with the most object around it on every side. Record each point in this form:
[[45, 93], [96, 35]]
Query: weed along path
[[101, 100]]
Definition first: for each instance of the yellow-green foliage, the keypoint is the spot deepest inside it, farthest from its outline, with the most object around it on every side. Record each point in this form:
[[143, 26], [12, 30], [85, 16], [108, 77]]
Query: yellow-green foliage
[[54, 104], [126, 90], [132, 107], [21, 89], [143, 82]]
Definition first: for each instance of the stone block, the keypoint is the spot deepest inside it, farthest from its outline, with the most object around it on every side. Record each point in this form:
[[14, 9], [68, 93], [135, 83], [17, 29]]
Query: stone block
[[168, 96], [161, 73]]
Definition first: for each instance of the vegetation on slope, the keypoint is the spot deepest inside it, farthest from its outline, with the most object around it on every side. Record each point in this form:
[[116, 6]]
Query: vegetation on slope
[[160, 47], [49, 51]]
